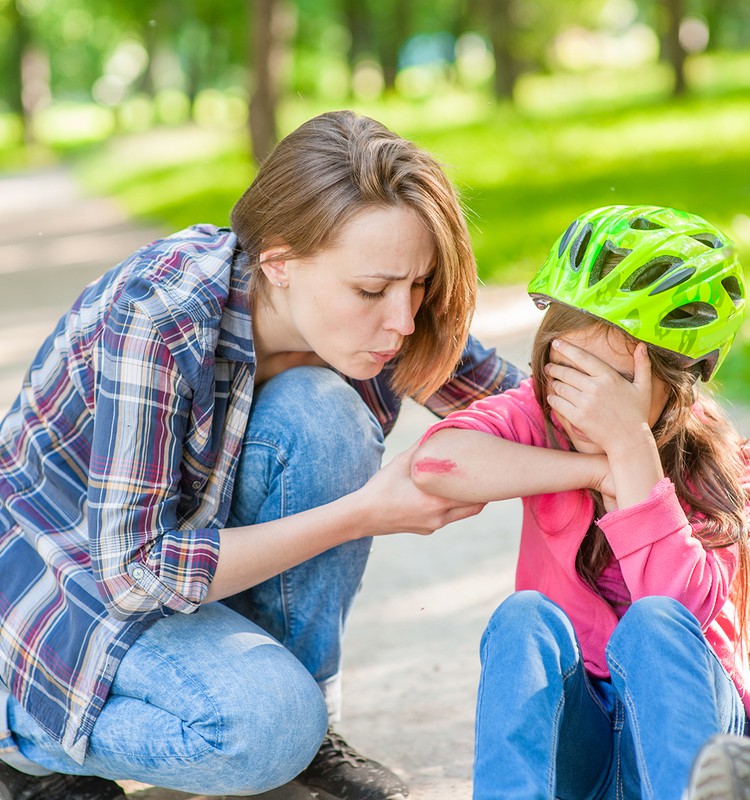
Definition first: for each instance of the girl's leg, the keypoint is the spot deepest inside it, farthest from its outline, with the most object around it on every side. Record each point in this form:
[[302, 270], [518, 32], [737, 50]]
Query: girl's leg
[[542, 729], [310, 440], [675, 692], [206, 703]]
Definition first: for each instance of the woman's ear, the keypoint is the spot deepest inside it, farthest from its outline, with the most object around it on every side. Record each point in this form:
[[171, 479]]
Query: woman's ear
[[273, 262]]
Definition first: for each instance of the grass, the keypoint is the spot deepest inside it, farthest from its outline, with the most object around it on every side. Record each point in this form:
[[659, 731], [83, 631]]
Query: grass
[[568, 144]]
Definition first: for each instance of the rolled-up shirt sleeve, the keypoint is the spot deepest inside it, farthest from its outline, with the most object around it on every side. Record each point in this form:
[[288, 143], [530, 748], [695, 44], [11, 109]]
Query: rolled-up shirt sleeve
[[480, 373], [143, 563], [659, 554]]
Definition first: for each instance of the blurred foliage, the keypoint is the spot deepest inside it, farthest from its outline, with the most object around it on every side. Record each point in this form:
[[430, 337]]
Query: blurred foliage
[[538, 108]]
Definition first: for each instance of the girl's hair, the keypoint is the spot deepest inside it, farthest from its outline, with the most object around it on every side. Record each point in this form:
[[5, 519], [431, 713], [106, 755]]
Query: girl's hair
[[701, 453], [336, 166]]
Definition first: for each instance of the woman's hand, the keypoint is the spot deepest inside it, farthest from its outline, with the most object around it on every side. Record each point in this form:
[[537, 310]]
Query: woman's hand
[[393, 504]]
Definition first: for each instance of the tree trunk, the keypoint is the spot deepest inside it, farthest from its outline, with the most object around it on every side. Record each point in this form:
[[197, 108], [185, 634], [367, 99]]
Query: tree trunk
[[19, 45], [500, 28], [359, 24], [265, 47], [673, 50], [394, 36]]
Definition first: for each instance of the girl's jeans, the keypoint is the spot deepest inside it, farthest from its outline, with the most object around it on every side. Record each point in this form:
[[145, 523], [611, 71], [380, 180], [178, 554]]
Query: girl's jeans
[[546, 729], [230, 699]]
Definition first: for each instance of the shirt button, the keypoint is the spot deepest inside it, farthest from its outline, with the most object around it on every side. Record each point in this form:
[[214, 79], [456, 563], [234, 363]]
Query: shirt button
[[138, 573], [197, 484]]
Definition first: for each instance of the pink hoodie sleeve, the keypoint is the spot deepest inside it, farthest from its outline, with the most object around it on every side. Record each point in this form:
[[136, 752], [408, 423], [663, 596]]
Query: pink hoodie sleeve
[[513, 415], [659, 555]]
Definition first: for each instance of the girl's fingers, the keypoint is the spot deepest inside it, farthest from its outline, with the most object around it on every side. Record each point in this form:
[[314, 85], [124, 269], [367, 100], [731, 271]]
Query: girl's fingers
[[581, 359], [642, 367], [569, 375]]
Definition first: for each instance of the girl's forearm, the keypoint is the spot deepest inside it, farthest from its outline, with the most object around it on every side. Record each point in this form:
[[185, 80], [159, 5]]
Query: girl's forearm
[[636, 468], [472, 466]]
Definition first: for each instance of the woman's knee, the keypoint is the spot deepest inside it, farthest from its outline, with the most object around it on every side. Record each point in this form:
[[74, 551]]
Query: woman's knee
[[314, 411], [318, 399], [269, 732]]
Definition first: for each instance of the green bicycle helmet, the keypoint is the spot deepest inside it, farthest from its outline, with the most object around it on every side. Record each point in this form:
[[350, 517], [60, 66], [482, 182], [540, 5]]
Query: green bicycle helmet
[[666, 277]]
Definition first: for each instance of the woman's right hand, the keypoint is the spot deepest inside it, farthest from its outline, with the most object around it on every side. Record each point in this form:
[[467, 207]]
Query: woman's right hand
[[393, 504]]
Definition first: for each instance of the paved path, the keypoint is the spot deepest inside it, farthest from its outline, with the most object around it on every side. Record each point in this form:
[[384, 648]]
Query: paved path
[[411, 663]]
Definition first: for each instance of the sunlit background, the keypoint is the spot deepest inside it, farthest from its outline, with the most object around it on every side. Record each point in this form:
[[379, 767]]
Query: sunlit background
[[540, 109]]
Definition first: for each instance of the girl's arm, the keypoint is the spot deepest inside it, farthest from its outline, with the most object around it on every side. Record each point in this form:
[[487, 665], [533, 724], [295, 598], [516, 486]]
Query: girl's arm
[[659, 554], [474, 466], [388, 503]]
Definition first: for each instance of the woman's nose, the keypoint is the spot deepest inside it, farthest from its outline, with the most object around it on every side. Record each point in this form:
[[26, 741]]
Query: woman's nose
[[401, 316]]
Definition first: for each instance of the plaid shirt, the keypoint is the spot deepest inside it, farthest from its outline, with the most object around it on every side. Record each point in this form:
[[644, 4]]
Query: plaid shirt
[[117, 463]]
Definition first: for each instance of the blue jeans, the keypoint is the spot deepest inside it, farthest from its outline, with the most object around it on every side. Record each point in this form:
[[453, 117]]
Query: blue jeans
[[546, 729], [230, 700]]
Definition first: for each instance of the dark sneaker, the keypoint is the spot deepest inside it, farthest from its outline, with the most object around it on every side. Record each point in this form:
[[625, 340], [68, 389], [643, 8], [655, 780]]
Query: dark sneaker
[[340, 773], [721, 770], [15, 785]]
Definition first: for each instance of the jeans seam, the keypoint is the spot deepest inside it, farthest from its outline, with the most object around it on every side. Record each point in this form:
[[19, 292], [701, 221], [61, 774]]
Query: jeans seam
[[617, 668]]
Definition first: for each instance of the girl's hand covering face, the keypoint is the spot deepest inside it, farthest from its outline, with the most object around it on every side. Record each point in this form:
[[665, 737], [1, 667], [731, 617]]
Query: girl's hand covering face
[[603, 395]]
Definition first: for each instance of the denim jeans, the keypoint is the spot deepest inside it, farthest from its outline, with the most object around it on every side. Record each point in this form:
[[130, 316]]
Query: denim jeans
[[547, 729], [230, 699]]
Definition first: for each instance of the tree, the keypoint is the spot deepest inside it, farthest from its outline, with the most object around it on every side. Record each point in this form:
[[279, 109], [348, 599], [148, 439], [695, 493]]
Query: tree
[[272, 26], [672, 48]]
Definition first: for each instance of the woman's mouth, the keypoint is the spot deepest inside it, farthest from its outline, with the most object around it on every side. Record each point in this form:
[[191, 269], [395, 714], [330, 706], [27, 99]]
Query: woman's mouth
[[383, 355]]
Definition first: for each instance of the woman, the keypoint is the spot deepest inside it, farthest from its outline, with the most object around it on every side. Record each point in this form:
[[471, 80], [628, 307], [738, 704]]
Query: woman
[[206, 424]]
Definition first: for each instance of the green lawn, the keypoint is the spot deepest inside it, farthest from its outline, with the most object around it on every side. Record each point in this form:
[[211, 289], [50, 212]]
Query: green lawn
[[571, 143]]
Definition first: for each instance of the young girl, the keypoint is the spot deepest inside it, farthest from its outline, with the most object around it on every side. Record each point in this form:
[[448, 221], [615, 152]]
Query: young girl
[[621, 652]]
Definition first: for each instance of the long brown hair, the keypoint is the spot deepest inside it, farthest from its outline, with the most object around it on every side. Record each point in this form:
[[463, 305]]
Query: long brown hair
[[332, 168], [701, 453]]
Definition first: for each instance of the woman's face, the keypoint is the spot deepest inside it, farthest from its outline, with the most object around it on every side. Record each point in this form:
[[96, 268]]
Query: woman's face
[[615, 349], [354, 303]]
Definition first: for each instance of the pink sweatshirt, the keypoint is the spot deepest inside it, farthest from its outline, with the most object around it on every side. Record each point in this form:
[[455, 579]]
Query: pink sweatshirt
[[653, 542]]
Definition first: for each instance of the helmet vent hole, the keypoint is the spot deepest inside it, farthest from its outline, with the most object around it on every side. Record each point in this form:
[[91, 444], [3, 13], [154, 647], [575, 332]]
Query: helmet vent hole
[[734, 290], [644, 224], [651, 272], [691, 315], [608, 259], [710, 241], [578, 250], [566, 237]]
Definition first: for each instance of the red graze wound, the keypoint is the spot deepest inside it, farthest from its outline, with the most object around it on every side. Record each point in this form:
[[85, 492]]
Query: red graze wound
[[435, 465]]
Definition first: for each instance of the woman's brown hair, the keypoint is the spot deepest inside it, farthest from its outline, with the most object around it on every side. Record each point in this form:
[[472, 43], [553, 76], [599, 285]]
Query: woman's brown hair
[[701, 453], [332, 168]]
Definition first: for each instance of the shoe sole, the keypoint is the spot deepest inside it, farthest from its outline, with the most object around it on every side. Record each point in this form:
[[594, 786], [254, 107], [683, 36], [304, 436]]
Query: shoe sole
[[319, 794], [722, 771]]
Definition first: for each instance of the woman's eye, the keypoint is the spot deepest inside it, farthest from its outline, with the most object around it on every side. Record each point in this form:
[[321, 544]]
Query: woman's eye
[[371, 295]]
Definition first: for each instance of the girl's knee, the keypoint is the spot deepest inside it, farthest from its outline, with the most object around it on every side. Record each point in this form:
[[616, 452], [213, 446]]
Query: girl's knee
[[655, 613], [520, 607], [649, 625], [529, 628], [529, 613]]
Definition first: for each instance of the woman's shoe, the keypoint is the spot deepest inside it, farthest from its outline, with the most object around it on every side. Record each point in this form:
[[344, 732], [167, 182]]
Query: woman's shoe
[[15, 785], [339, 772]]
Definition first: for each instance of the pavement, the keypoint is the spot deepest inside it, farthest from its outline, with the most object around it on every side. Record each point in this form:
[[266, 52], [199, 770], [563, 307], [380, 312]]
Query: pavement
[[411, 661]]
